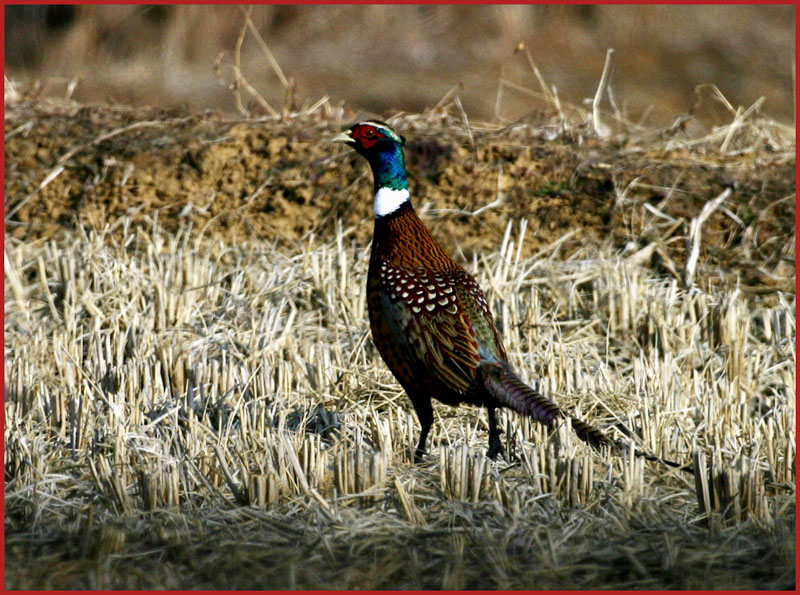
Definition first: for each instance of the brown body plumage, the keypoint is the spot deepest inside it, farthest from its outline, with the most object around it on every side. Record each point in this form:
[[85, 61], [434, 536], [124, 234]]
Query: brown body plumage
[[429, 318]]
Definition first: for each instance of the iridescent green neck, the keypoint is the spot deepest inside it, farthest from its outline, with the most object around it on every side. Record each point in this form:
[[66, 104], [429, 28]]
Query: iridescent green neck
[[389, 169]]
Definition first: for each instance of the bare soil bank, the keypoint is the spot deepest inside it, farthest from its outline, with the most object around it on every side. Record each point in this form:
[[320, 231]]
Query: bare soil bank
[[280, 182]]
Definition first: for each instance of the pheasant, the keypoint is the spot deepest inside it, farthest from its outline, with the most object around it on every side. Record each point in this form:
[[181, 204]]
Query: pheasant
[[429, 318]]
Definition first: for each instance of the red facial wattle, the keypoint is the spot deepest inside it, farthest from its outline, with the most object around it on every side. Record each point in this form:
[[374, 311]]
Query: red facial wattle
[[367, 136]]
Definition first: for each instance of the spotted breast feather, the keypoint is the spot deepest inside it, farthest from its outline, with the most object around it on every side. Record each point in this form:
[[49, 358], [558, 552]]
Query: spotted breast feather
[[423, 314]]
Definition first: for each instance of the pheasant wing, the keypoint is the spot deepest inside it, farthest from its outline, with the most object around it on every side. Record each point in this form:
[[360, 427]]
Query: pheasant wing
[[440, 322]]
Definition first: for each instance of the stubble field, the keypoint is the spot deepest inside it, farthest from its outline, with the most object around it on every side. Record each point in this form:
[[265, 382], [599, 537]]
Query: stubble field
[[193, 399]]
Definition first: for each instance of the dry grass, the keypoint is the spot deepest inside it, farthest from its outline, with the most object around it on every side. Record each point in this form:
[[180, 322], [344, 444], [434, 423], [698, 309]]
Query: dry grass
[[184, 412], [406, 57]]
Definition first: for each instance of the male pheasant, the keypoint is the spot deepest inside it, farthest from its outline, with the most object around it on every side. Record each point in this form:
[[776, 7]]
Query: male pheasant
[[429, 318]]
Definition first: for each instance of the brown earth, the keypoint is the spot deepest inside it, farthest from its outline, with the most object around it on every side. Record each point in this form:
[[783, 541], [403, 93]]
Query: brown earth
[[280, 181]]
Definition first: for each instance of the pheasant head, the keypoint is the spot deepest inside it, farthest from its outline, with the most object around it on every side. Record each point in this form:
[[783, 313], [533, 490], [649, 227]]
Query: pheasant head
[[382, 147]]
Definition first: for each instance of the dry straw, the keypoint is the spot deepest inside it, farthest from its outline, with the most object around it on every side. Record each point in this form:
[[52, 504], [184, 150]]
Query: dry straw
[[170, 377]]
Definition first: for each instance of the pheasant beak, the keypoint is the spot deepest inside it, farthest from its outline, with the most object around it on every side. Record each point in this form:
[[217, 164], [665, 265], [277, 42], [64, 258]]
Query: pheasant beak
[[344, 137]]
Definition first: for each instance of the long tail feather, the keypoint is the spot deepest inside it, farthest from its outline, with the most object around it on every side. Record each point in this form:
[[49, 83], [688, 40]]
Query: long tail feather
[[510, 391]]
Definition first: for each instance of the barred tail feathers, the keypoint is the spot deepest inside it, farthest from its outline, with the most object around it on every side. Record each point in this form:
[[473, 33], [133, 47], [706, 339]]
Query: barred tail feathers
[[590, 434], [509, 390], [515, 394]]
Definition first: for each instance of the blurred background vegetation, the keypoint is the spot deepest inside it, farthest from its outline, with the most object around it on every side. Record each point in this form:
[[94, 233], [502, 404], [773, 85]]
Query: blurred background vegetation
[[381, 58]]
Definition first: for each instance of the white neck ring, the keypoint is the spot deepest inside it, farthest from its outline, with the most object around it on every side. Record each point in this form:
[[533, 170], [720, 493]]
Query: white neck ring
[[388, 200]]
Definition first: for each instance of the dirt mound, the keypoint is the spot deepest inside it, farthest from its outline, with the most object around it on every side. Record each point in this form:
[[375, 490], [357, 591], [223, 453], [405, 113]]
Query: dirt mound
[[280, 181]]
